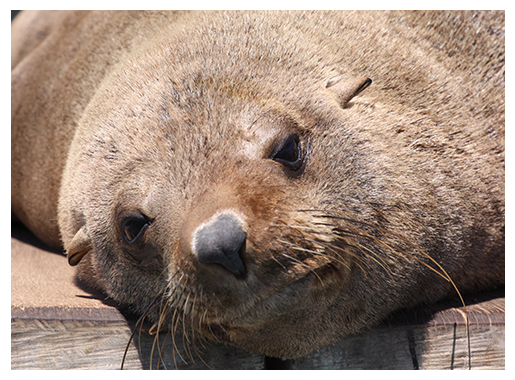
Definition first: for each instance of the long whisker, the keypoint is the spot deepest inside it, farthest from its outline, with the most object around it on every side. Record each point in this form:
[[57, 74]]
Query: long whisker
[[440, 272], [164, 313], [385, 245], [161, 350], [331, 247], [293, 259], [340, 242], [156, 301], [338, 258], [185, 339]]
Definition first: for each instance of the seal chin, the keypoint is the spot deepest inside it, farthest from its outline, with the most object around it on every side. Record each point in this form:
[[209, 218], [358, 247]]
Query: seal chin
[[278, 325], [284, 304]]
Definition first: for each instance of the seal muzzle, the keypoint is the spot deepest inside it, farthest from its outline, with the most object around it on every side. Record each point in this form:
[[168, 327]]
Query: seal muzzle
[[221, 241]]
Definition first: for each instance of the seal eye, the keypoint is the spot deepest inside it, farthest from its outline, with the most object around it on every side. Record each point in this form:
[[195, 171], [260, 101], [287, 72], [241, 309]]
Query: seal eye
[[288, 152], [134, 227]]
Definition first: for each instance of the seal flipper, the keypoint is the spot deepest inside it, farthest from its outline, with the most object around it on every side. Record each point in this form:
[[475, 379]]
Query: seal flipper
[[345, 90], [79, 246]]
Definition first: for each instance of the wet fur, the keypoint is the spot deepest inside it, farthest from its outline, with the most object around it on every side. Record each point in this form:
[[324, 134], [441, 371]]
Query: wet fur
[[175, 114]]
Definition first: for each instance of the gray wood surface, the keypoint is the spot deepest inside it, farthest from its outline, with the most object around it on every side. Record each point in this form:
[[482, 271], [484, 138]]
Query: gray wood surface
[[57, 325]]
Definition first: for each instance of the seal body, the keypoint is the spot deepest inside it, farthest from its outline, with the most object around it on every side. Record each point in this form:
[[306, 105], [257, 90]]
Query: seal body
[[227, 170]]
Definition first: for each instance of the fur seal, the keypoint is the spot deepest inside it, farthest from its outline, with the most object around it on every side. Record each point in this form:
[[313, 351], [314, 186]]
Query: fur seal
[[224, 172]]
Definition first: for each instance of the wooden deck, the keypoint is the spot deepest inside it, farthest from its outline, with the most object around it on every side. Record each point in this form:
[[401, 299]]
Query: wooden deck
[[57, 325]]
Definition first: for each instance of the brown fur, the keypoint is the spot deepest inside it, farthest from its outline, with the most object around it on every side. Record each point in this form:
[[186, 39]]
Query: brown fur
[[176, 116]]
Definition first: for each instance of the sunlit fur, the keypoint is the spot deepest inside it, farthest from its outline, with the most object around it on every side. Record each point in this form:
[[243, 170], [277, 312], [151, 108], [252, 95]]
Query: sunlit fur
[[176, 116]]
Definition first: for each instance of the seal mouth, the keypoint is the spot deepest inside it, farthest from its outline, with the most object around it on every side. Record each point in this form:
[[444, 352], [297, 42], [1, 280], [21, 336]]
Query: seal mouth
[[290, 298]]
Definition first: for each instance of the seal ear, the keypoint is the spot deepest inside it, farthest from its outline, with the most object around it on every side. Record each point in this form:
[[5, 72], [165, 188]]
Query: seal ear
[[345, 90], [79, 246]]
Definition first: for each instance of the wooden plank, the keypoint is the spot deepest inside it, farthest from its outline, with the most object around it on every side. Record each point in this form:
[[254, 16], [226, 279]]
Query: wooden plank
[[57, 325], [72, 344], [414, 347], [69, 344]]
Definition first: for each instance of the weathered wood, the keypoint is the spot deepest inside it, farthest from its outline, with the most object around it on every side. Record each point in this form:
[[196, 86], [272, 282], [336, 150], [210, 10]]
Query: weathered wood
[[426, 346], [69, 344], [57, 325]]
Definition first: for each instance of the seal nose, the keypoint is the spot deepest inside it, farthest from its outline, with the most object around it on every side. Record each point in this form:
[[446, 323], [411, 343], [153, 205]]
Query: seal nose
[[221, 241]]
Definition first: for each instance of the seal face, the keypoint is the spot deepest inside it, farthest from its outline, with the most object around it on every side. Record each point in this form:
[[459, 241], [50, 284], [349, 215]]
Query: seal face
[[239, 175]]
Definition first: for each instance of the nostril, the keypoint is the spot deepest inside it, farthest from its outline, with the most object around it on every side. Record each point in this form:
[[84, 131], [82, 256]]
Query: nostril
[[221, 241]]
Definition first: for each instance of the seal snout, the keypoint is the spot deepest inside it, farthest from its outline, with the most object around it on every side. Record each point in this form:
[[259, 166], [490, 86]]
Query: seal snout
[[221, 241]]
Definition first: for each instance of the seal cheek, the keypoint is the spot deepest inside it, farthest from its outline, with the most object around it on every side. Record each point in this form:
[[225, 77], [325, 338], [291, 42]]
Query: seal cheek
[[221, 241]]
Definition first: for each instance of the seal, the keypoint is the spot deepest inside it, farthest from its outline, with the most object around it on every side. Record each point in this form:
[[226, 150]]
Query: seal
[[237, 175]]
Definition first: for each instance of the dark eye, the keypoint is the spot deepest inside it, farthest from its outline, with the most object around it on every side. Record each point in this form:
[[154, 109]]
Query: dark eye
[[289, 153], [134, 227]]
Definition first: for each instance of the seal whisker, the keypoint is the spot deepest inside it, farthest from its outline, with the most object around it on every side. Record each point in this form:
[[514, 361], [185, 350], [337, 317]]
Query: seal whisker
[[278, 262], [164, 312], [175, 296], [442, 273], [194, 317], [175, 323], [158, 326], [161, 351], [199, 354], [325, 246], [185, 337], [340, 243], [330, 246], [448, 278], [405, 255], [175, 350], [352, 232], [197, 318], [363, 234], [373, 255], [344, 246], [293, 259], [353, 257], [156, 301]]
